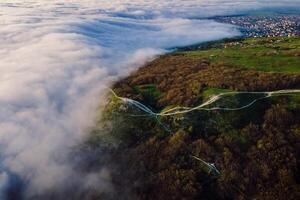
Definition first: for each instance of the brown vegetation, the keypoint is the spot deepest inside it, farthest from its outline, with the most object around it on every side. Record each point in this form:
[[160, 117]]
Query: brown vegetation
[[181, 79], [256, 150], [260, 162]]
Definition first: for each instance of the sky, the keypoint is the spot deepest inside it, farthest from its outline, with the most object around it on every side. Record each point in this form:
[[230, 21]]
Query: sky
[[57, 58]]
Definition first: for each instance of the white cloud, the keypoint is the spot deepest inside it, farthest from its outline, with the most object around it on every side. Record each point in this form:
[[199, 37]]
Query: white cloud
[[3, 184], [56, 58]]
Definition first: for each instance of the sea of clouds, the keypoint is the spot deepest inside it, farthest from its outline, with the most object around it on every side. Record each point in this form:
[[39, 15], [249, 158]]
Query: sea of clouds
[[57, 57]]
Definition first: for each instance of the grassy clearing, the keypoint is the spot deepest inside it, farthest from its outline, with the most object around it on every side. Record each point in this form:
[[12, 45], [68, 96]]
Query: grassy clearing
[[148, 90], [263, 54]]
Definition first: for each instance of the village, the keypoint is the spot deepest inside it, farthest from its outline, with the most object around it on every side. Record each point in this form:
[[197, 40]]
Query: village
[[265, 26]]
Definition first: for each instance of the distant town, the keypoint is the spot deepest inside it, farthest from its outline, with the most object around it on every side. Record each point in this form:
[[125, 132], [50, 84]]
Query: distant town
[[265, 26]]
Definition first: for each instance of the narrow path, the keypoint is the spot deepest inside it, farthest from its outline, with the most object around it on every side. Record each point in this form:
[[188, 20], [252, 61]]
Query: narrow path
[[183, 110]]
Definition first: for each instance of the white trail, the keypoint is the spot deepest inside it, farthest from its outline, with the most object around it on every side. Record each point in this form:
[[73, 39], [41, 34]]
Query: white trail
[[183, 110]]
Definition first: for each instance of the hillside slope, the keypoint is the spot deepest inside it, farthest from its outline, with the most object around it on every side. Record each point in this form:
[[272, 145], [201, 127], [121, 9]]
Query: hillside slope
[[246, 154]]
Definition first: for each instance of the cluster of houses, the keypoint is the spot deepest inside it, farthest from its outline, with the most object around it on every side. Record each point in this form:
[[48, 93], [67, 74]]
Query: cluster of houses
[[265, 26]]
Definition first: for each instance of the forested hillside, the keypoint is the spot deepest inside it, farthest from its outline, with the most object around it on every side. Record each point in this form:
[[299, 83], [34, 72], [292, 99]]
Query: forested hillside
[[251, 153]]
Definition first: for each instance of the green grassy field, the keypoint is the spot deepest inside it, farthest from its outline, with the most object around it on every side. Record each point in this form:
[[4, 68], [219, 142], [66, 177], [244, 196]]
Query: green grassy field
[[264, 54], [148, 90]]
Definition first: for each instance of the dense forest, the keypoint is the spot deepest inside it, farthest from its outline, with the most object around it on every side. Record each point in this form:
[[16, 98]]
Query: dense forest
[[247, 154]]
